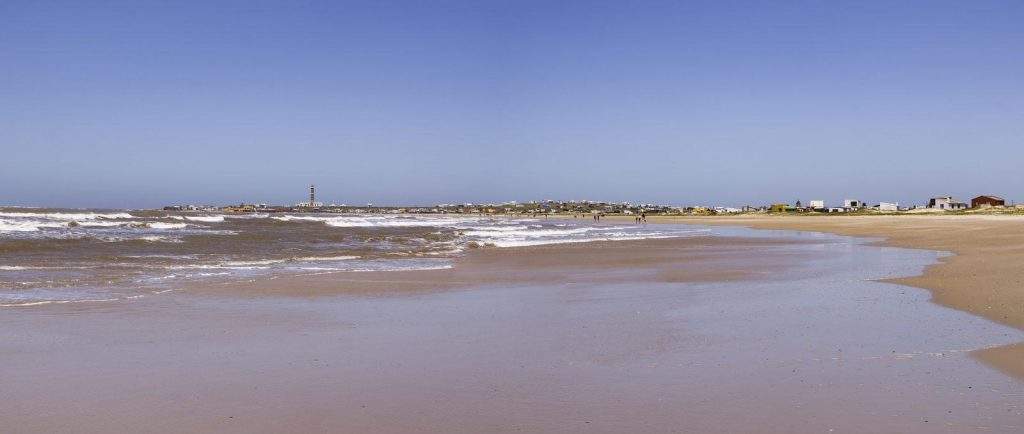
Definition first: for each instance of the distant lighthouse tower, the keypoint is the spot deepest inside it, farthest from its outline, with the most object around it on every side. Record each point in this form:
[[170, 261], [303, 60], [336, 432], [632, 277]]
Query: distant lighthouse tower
[[312, 204]]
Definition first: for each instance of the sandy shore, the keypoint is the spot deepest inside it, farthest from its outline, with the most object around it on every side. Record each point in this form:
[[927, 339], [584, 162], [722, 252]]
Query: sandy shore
[[710, 334], [985, 276], [696, 259]]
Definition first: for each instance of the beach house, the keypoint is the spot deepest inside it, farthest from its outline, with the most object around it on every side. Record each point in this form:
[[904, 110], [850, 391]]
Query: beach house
[[816, 204], [987, 201], [887, 207], [851, 204], [946, 203]]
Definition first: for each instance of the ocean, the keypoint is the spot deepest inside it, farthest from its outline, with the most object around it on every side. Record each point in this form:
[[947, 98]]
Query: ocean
[[64, 256]]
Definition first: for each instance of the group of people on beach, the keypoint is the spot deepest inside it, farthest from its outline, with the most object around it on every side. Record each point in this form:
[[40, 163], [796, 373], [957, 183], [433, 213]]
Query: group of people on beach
[[642, 218]]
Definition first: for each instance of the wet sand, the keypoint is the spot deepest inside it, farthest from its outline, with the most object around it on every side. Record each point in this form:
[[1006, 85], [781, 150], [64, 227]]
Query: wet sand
[[696, 259], [775, 334], [985, 275]]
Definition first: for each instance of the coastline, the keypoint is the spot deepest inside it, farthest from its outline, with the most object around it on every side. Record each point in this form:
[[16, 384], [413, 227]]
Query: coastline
[[712, 334], [982, 276], [663, 260]]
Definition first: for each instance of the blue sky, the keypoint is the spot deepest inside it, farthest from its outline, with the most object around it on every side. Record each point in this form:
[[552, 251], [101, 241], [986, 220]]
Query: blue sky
[[140, 104]]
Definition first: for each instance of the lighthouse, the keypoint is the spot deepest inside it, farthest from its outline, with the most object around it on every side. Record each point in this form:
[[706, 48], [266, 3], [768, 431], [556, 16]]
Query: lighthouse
[[312, 200]]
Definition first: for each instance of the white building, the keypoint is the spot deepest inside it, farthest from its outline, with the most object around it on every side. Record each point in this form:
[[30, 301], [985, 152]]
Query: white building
[[946, 203], [816, 204], [888, 207], [853, 204]]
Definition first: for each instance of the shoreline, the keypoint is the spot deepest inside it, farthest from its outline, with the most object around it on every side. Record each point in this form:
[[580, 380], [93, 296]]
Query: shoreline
[[958, 295], [981, 275], [670, 260], [733, 332]]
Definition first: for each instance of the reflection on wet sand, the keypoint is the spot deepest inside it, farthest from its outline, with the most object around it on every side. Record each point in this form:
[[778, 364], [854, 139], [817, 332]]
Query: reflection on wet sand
[[770, 332]]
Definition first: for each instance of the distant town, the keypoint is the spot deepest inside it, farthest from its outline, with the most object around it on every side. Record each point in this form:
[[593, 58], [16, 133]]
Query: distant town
[[940, 204]]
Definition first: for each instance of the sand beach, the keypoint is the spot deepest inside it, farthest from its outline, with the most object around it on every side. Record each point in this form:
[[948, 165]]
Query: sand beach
[[736, 330], [471, 217], [983, 276]]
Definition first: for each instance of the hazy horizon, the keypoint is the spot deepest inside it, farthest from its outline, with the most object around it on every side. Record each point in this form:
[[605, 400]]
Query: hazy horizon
[[328, 201], [145, 104]]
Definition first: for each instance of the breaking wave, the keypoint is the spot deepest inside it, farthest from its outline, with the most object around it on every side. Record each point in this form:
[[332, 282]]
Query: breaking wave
[[71, 255], [67, 216], [206, 219]]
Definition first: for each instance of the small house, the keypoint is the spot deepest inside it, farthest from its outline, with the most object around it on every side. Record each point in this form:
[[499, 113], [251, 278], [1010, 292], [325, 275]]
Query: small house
[[888, 207], [987, 201], [946, 203], [852, 204]]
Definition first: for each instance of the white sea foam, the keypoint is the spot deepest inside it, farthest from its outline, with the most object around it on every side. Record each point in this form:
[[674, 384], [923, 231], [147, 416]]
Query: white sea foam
[[67, 216], [160, 256], [534, 237], [36, 267], [35, 221], [262, 264], [541, 242], [490, 229], [106, 224], [531, 233], [10, 226], [42, 302], [325, 258], [31, 225], [190, 275], [206, 219], [15, 225], [396, 267], [218, 267], [162, 225], [288, 218], [159, 239], [36, 302], [494, 231], [246, 216], [252, 263], [384, 221]]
